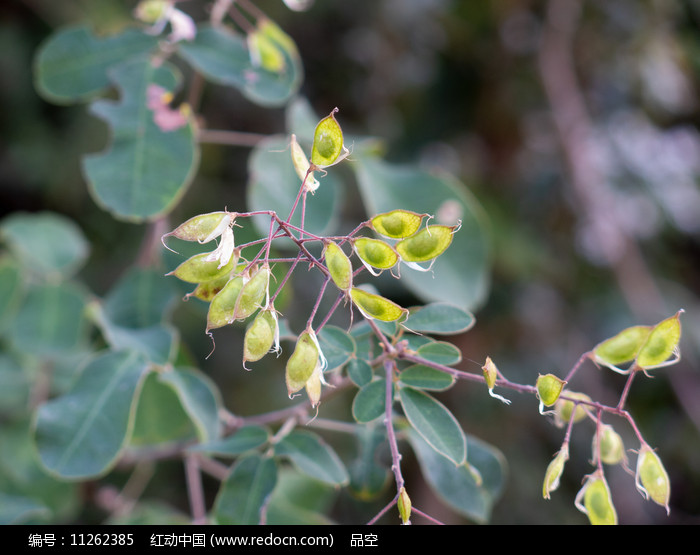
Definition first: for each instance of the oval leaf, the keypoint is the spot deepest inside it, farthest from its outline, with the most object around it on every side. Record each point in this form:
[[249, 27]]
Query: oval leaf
[[440, 318], [245, 439], [440, 352], [434, 423], [424, 377], [312, 456], [370, 401], [82, 433]]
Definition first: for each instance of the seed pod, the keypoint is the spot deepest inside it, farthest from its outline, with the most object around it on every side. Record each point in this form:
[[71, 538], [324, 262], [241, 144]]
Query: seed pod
[[207, 291], [313, 386], [260, 336], [404, 505], [265, 53], [397, 224], [425, 245], [203, 228], [150, 11], [554, 471], [339, 266], [252, 294], [661, 344], [612, 450], [490, 374], [375, 254], [302, 363], [564, 409], [328, 148], [302, 166], [549, 387], [651, 477], [198, 269], [597, 501], [622, 348], [222, 306], [376, 307]]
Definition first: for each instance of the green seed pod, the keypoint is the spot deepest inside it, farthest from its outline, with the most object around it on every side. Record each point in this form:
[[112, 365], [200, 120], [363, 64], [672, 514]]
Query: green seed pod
[[404, 505], [252, 294], [564, 408], [302, 165], [150, 11], [375, 253], [549, 387], [328, 148], [612, 450], [265, 53], [313, 387], [490, 375], [661, 344], [339, 266], [222, 306], [554, 471], [260, 337], [376, 307], [198, 269], [622, 348], [651, 477], [397, 224], [203, 228], [597, 501], [302, 363], [425, 245], [207, 291]]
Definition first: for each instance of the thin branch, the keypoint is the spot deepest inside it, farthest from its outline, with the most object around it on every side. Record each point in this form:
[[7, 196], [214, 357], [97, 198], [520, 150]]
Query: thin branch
[[230, 138]]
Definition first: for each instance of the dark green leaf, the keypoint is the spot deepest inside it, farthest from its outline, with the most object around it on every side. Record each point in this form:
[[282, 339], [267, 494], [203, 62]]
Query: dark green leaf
[[337, 345], [424, 377], [82, 433], [369, 473], [11, 290], [439, 318], [370, 401], [140, 299], [440, 352], [245, 439], [359, 371], [300, 500]]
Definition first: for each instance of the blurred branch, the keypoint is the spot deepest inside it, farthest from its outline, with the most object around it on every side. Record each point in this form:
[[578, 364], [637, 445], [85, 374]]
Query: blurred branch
[[575, 129]]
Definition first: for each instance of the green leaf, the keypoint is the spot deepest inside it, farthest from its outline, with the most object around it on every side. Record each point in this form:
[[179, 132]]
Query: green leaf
[[439, 318], [11, 291], [460, 275], [244, 439], [424, 377], [14, 386], [440, 352], [245, 491], [16, 509], [274, 185], [51, 320], [81, 434], [72, 64], [199, 397], [312, 456], [434, 423], [48, 245], [160, 418], [359, 371], [146, 169], [370, 401], [140, 299], [458, 486], [300, 500], [368, 474], [223, 57], [337, 345]]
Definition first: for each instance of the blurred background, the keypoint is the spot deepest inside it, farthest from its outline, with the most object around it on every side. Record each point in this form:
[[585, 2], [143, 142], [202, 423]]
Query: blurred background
[[573, 123]]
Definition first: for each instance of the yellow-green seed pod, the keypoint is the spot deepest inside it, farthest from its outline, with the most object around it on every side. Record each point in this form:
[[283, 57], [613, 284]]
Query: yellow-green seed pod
[[612, 449], [622, 348], [222, 306], [549, 387], [150, 11], [327, 148], [203, 228], [375, 253], [302, 166], [425, 245], [253, 293], [302, 363], [651, 477], [490, 375], [198, 269], [260, 336], [375, 307], [661, 344], [597, 501], [313, 387], [265, 53], [275, 33], [397, 224], [339, 266], [404, 504], [564, 408], [554, 471]]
